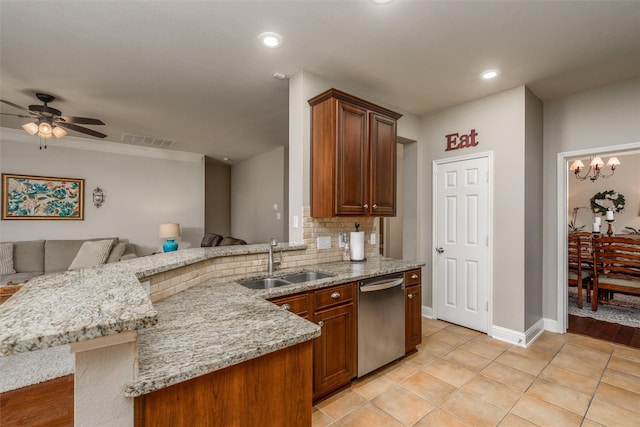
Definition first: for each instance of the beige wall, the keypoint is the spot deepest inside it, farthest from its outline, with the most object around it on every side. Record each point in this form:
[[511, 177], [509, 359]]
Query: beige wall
[[500, 123], [141, 191], [256, 185], [593, 119], [217, 197]]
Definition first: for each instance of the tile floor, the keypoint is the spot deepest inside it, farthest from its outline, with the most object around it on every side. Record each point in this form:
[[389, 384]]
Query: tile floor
[[461, 377]]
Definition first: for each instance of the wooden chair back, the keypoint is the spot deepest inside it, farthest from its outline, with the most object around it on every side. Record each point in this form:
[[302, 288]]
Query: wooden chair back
[[579, 247], [616, 266]]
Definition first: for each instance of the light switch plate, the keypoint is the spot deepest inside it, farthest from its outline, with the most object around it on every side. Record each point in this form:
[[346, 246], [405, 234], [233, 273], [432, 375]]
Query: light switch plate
[[295, 221], [324, 242], [373, 238]]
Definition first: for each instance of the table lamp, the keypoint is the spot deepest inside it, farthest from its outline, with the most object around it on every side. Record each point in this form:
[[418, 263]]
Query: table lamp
[[169, 231]]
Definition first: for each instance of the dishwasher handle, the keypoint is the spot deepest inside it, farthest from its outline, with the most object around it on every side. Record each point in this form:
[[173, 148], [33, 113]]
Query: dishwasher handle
[[381, 285]]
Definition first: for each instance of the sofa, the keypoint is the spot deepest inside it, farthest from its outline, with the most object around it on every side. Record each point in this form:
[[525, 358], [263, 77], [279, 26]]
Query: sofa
[[211, 239], [37, 257]]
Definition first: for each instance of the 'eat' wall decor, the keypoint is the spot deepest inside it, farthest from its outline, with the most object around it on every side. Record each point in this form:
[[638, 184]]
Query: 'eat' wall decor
[[456, 141], [41, 197]]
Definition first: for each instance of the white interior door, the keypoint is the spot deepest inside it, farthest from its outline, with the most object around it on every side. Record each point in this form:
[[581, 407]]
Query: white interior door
[[462, 242]]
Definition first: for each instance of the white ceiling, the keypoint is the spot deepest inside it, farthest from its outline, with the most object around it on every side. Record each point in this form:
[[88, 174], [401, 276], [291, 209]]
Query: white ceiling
[[194, 71]]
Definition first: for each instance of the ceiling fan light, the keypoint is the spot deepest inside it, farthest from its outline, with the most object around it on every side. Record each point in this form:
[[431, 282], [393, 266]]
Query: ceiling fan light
[[59, 132], [30, 128], [45, 129]]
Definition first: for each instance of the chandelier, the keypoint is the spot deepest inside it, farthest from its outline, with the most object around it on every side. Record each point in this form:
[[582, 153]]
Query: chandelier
[[596, 168]]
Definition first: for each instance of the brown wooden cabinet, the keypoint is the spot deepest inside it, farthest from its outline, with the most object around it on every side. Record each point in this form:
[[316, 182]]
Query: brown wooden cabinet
[[297, 304], [413, 309], [353, 156]]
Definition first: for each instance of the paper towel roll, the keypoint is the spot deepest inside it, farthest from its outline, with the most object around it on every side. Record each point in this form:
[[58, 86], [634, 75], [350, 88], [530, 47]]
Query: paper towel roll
[[357, 245]]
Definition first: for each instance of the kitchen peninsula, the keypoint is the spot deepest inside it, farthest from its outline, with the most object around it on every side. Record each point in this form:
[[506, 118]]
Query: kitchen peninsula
[[165, 342]]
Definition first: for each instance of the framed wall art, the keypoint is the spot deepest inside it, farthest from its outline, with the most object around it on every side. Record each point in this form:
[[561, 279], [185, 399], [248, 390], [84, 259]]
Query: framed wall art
[[42, 197]]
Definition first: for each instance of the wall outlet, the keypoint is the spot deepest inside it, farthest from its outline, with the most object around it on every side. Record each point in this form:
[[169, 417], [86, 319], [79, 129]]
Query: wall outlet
[[278, 216], [295, 221], [275, 206], [373, 239], [324, 242]]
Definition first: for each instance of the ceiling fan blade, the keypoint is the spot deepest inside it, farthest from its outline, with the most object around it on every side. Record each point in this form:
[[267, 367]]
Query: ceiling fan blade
[[82, 120], [81, 129], [14, 105], [16, 115]]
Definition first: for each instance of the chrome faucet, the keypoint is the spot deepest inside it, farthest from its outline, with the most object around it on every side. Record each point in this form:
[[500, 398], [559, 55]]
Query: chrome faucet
[[273, 262]]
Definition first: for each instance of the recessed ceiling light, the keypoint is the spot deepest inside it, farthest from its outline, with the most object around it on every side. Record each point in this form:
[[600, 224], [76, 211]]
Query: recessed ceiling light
[[271, 40], [490, 74], [381, 1], [279, 76]]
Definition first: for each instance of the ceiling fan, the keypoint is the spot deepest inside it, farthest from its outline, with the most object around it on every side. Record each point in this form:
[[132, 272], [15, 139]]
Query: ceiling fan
[[50, 121]]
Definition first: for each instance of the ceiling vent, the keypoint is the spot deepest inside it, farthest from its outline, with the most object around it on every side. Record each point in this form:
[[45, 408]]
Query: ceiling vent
[[149, 141]]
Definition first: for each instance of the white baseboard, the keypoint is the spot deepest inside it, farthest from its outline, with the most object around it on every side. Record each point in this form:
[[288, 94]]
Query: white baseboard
[[427, 312], [518, 338], [552, 325]]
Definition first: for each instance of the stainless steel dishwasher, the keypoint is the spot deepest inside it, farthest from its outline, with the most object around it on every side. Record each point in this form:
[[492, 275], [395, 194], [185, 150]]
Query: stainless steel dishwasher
[[380, 321]]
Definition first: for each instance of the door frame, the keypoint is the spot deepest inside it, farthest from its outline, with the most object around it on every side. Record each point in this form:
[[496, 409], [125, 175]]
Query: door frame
[[434, 261], [562, 214]]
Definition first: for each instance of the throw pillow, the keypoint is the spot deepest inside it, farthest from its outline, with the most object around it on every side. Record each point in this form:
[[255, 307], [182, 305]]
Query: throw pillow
[[6, 259], [91, 254], [117, 252]]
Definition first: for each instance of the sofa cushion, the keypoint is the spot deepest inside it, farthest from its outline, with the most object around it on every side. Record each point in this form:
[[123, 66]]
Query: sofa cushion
[[210, 239], [18, 278], [6, 259], [28, 256], [116, 252], [59, 254], [230, 241], [91, 254]]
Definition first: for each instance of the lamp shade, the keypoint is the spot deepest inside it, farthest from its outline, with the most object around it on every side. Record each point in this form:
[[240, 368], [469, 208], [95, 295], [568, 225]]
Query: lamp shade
[[596, 162], [59, 132], [576, 165], [31, 128], [169, 231], [613, 161]]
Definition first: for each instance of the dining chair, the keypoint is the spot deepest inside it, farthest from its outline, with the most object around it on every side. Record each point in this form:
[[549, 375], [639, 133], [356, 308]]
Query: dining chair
[[579, 263], [616, 267]]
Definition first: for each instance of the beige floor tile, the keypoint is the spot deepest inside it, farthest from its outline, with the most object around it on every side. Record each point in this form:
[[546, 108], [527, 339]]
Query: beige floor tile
[[507, 375], [592, 343], [619, 397], [544, 414], [570, 379], [493, 391], [428, 329], [622, 380], [320, 419], [428, 386], [482, 349], [401, 371], [466, 359], [341, 404], [422, 358], [371, 385], [560, 395], [368, 415], [484, 338], [461, 330], [551, 341], [575, 364], [449, 372], [403, 405], [536, 351], [440, 418], [628, 353], [610, 415], [586, 354], [515, 421], [451, 337], [589, 423], [624, 365], [523, 363], [473, 409], [435, 323], [435, 347], [552, 336]]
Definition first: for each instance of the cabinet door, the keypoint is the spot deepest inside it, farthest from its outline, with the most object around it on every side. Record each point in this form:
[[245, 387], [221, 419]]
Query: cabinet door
[[383, 165], [334, 353], [413, 317], [352, 165]]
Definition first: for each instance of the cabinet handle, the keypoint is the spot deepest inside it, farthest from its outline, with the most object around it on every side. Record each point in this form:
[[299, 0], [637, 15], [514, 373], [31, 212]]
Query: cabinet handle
[[321, 323], [366, 206], [414, 276], [335, 295], [374, 206], [410, 296], [286, 307]]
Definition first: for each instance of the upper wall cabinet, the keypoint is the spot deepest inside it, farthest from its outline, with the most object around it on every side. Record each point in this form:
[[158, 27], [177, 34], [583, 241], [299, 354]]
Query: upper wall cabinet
[[353, 156]]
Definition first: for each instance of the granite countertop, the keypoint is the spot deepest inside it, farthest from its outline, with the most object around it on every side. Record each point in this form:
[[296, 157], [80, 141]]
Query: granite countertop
[[106, 300], [221, 323]]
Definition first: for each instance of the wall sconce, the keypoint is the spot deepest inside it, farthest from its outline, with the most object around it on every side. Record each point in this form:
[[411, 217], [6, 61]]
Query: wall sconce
[[98, 197]]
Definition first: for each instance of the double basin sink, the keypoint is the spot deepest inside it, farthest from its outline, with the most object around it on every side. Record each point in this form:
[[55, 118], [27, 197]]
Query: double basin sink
[[274, 282]]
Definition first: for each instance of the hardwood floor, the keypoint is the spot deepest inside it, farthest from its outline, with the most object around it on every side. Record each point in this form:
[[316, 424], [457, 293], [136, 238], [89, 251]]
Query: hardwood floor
[[612, 332]]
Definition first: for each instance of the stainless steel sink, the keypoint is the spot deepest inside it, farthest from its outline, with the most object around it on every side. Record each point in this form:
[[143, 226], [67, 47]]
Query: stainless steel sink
[[274, 282], [305, 276], [265, 283]]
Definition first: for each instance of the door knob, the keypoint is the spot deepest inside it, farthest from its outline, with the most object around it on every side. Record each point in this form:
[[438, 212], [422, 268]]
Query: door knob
[[439, 250]]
